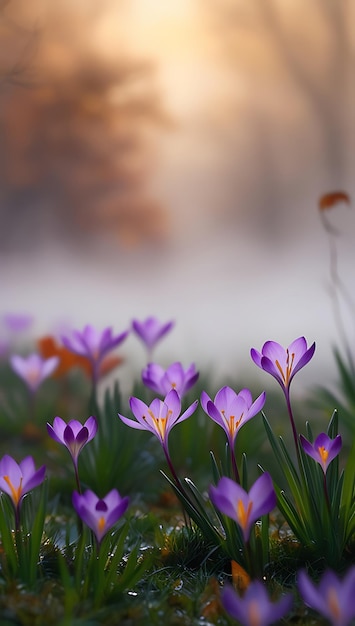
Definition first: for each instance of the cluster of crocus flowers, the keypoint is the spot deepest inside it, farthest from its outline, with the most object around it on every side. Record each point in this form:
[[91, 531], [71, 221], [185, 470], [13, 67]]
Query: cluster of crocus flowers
[[100, 514], [74, 435], [231, 411], [17, 479], [243, 507], [175, 376], [150, 331], [94, 345], [33, 369]]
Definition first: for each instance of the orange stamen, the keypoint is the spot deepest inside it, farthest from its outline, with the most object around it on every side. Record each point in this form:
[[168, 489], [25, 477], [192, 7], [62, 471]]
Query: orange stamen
[[254, 614], [323, 454], [16, 493], [101, 524], [231, 422], [289, 367], [333, 603], [242, 514]]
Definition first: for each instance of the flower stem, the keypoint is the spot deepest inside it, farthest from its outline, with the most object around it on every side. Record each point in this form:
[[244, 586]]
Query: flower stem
[[293, 425], [178, 484], [77, 476]]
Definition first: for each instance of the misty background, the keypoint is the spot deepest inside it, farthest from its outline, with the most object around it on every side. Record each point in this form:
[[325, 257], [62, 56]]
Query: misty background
[[167, 158]]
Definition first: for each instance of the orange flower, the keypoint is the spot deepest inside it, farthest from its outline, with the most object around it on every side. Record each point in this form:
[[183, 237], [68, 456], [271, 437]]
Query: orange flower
[[68, 360]]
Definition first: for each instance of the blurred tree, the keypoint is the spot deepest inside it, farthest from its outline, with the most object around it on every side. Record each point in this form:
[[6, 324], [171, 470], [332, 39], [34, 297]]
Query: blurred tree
[[76, 147], [293, 64]]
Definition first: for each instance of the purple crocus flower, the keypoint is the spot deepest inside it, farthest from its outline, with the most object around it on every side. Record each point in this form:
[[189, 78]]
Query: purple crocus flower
[[93, 344], [100, 514], [160, 416], [151, 330], [73, 435], [18, 479], [245, 508], [174, 377], [323, 450], [17, 322], [255, 607], [283, 363], [33, 369], [333, 598], [232, 410]]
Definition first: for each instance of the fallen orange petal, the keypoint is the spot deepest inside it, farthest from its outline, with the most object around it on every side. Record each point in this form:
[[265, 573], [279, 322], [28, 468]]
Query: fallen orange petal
[[240, 577], [328, 200]]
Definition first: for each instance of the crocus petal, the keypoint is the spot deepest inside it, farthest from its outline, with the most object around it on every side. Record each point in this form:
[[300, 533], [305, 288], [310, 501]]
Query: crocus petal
[[308, 448], [306, 357], [233, 604], [257, 405], [82, 437], [57, 430], [117, 512], [216, 415], [189, 411], [226, 495], [172, 400], [133, 423], [36, 479], [49, 366], [262, 494], [8, 466], [205, 399], [139, 409], [91, 425], [310, 593]]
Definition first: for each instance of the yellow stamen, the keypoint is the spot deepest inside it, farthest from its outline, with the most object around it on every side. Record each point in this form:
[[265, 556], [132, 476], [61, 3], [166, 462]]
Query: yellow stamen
[[333, 603], [101, 524], [242, 514], [323, 454], [16, 493], [160, 423], [254, 614]]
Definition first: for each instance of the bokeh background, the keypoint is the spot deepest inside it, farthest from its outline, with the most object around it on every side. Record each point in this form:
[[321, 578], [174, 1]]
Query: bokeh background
[[167, 158]]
